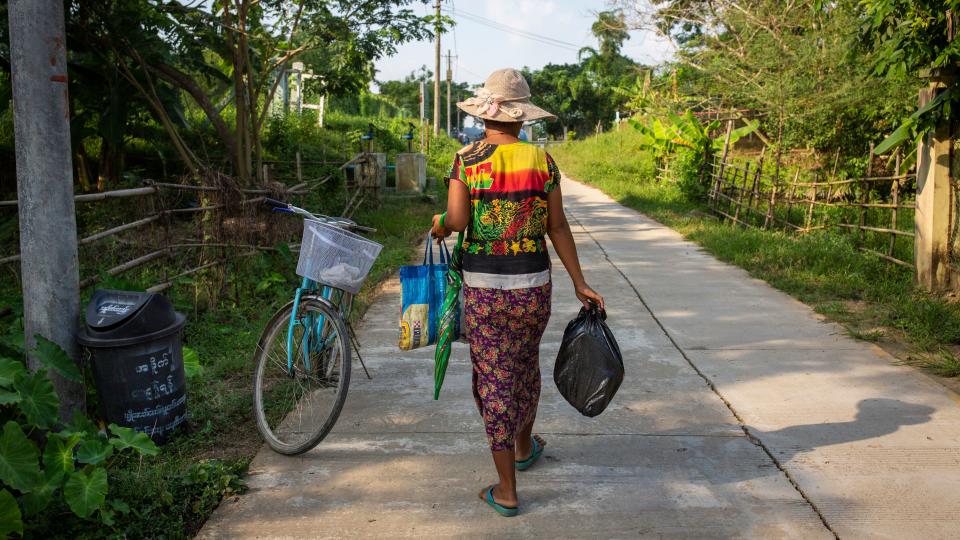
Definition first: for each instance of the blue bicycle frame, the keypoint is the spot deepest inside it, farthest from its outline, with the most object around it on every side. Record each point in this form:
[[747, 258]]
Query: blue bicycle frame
[[312, 326]]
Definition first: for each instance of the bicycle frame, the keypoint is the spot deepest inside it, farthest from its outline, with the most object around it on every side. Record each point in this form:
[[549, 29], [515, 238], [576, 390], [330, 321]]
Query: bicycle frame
[[313, 339]]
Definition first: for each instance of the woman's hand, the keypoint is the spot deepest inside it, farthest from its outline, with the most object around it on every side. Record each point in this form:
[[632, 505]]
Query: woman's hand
[[586, 295], [437, 231]]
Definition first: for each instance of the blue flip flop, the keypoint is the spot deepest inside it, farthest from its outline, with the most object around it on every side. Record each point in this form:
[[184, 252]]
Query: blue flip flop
[[505, 511], [535, 453]]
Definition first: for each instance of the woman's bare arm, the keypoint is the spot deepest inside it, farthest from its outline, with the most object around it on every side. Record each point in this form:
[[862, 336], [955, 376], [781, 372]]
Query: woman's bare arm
[[559, 230], [458, 211]]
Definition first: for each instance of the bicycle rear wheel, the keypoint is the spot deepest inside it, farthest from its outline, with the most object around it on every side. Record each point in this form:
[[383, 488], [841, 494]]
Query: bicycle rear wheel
[[297, 405]]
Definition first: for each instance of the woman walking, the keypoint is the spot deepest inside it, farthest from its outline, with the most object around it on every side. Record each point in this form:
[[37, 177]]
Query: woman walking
[[506, 195]]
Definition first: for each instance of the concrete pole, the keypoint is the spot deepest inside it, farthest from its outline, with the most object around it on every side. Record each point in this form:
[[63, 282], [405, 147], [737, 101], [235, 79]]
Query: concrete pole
[[932, 221], [423, 107], [436, 76], [48, 224], [449, 82]]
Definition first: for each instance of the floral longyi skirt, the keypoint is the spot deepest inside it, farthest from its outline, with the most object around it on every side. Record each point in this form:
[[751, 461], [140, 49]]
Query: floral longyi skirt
[[504, 329]]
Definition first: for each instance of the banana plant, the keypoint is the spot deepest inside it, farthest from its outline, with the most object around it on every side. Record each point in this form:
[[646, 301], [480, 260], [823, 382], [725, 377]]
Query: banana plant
[[665, 137]]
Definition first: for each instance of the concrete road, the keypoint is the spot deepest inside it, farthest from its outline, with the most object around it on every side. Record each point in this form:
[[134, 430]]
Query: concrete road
[[742, 415]]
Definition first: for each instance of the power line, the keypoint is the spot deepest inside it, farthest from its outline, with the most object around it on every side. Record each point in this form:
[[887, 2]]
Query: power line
[[453, 11], [518, 32], [521, 33]]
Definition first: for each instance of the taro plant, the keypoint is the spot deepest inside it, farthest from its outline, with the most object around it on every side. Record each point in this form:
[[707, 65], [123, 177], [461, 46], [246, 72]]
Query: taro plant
[[42, 458], [688, 139]]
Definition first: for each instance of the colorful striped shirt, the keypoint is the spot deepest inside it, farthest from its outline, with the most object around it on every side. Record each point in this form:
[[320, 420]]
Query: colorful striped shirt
[[505, 246]]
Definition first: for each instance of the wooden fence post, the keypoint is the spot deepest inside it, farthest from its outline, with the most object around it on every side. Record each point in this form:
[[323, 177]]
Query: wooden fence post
[[753, 192], [771, 206], [790, 198], [811, 202], [823, 220], [723, 157], [712, 196], [757, 187], [864, 199], [741, 191], [895, 188]]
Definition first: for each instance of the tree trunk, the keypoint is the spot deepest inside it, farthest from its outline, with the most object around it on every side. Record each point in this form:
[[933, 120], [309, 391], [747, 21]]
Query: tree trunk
[[242, 155], [183, 81]]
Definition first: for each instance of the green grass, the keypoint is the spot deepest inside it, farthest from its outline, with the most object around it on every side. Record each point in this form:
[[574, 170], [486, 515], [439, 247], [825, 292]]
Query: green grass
[[823, 268]]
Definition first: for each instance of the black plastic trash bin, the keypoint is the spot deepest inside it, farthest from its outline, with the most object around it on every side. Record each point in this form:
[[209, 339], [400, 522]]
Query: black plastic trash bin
[[136, 355]]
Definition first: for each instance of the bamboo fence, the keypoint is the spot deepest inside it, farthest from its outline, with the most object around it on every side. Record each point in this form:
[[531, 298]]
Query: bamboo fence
[[224, 201], [869, 207]]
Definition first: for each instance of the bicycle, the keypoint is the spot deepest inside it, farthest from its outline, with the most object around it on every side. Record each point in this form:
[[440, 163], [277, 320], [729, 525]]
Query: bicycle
[[303, 358]]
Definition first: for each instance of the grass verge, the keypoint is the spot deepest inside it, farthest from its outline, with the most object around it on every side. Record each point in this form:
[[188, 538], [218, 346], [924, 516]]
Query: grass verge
[[873, 299]]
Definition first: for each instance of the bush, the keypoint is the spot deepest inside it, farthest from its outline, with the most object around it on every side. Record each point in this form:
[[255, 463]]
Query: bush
[[685, 169]]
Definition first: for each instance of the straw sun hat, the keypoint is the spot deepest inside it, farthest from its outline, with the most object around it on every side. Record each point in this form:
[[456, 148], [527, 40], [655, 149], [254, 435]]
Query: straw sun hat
[[505, 97]]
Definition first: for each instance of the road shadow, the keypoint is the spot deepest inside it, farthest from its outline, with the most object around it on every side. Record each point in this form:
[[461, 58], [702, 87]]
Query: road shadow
[[875, 418]]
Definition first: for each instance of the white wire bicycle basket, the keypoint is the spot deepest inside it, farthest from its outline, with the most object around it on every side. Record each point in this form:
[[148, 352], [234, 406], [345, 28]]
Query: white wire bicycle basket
[[335, 257]]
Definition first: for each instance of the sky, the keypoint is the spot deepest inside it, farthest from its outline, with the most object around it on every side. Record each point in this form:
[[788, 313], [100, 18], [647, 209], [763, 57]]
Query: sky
[[480, 49]]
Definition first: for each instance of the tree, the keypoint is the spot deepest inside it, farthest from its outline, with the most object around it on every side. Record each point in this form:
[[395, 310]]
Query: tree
[[611, 30], [227, 57], [586, 94], [796, 65], [908, 36]]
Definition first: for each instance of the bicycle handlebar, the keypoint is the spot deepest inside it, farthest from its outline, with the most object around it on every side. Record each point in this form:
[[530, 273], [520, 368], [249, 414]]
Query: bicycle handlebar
[[343, 223]]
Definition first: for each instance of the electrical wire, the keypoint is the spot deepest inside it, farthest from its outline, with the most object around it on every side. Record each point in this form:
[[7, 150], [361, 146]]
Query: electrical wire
[[514, 29], [456, 68], [520, 33], [545, 40]]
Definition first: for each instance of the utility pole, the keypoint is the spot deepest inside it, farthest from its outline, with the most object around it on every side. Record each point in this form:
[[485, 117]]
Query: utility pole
[[48, 222], [449, 82], [423, 107], [436, 75]]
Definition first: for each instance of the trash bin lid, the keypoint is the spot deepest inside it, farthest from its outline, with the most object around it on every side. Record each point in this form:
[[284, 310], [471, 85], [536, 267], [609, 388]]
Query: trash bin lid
[[108, 309], [113, 317]]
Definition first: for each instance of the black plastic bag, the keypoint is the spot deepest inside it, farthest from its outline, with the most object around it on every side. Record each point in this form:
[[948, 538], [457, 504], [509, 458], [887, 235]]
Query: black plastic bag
[[589, 367]]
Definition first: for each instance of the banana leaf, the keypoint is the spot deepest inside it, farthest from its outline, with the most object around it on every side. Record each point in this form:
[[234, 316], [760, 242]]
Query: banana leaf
[[447, 328]]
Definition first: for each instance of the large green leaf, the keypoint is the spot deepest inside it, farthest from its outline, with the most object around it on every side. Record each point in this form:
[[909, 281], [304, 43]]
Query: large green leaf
[[735, 135], [19, 459], [37, 500], [10, 519], [899, 136], [191, 363], [85, 491], [131, 438], [55, 358], [9, 369], [81, 424], [38, 399], [7, 397], [94, 451], [58, 453]]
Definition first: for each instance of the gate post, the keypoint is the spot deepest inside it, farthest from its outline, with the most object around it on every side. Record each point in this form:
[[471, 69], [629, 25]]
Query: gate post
[[934, 217]]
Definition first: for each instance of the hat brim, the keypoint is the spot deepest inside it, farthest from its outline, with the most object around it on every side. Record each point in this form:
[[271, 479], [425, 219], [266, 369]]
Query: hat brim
[[530, 112]]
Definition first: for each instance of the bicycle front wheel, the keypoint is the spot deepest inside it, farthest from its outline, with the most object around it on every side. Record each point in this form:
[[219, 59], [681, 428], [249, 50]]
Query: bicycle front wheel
[[301, 377]]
